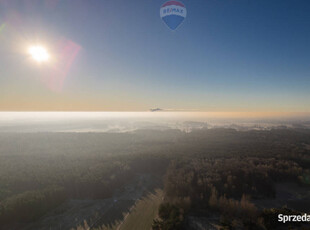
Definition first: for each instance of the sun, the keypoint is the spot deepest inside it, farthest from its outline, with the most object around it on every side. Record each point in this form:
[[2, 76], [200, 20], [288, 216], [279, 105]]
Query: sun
[[39, 53]]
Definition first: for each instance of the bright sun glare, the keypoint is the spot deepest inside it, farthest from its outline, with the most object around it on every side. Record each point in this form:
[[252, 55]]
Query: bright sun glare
[[39, 53]]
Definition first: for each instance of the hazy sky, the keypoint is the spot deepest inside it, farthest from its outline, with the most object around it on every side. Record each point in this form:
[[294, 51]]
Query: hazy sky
[[118, 55]]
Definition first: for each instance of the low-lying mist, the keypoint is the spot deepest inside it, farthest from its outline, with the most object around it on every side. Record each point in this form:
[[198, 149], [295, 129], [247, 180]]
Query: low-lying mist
[[117, 122]]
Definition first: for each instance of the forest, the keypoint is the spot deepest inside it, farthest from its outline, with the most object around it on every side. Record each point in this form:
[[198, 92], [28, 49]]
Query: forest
[[226, 187], [208, 174]]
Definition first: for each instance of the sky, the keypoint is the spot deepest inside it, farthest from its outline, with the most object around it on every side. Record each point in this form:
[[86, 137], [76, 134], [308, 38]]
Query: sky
[[227, 56]]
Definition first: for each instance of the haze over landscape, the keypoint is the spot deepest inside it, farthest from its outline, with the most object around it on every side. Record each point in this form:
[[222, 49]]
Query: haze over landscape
[[131, 121]]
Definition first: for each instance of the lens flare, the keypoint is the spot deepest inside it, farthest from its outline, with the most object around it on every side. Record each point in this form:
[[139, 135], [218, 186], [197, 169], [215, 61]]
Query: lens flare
[[2, 27]]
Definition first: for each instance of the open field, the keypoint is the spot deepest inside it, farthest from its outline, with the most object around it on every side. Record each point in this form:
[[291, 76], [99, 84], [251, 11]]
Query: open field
[[142, 215], [139, 216]]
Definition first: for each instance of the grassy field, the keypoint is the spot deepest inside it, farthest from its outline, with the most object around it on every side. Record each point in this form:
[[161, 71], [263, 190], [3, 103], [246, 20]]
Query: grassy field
[[142, 215]]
